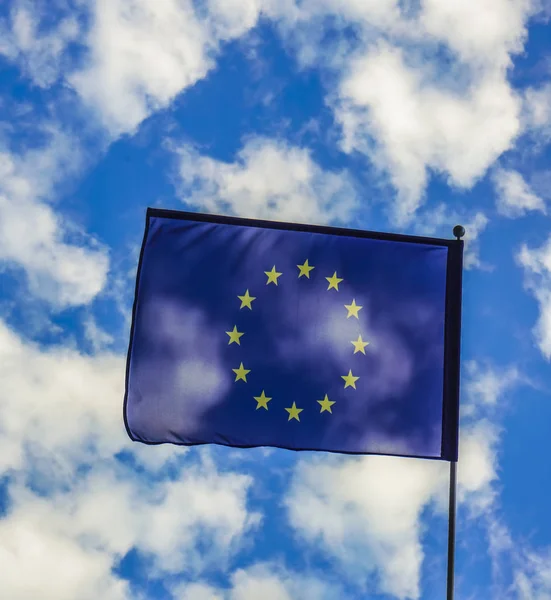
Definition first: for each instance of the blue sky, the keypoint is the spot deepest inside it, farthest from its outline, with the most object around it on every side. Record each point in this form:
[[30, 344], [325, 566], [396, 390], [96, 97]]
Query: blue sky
[[400, 116]]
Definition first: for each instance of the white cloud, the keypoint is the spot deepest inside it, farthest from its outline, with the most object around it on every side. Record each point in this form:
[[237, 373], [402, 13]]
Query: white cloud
[[408, 125], [232, 18], [482, 32], [519, 570], [154, 459], [72, 539], [60, 429], [137, 55], [268, 581], [141, 55], [541, 183], [532, 579], [484, 385], [38, 562], [216, 504], [197, 591], [38, 52], [537, 108], [63, 274], [34, 237], [98, 338], [421, 89], [366, 512], [514, 195], [269, 179], [58, 401], [474, 226], [536, 263], [477, 467], [271, 583], [334, 505]]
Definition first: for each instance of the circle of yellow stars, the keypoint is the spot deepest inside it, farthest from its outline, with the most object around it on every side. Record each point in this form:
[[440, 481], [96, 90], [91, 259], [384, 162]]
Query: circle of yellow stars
[[246, 302]]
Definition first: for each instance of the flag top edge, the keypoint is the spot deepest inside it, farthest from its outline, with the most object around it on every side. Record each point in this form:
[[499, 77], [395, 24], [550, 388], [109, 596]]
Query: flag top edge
[[305, 227]]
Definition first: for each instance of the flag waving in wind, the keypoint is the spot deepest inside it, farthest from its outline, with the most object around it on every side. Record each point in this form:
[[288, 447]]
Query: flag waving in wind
[[252, 333]]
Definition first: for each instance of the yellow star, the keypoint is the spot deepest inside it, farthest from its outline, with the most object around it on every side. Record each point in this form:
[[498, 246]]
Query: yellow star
[[350, 380], [352, 309], [305, 269], [359, 345], [294, 412], [246, 300], [272, 275], [262, 401], [326, 404], [241, 373], [234, 336], [334, 281]]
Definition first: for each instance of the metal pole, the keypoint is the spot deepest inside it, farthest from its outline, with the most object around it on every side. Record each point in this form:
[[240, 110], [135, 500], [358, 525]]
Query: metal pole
[[451, 530]]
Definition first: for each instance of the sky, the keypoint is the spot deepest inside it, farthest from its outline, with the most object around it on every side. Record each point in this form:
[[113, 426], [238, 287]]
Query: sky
[[400, 116]]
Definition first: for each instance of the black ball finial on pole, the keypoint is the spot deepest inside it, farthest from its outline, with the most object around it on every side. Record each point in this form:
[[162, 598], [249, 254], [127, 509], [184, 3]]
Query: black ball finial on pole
[[459, 231]]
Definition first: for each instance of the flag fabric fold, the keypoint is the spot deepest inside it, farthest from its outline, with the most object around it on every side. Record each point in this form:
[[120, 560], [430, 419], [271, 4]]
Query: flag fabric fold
[[253, 333]]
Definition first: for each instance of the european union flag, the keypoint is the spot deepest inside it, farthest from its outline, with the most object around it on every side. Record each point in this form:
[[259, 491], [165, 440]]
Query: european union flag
[[253, 333]]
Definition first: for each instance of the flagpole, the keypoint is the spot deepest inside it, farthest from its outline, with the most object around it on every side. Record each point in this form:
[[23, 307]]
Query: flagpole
[[452, 509], [458, 232]]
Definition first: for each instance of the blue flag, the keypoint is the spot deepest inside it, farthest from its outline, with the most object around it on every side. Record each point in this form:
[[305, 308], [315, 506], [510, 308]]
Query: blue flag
[[251, 333]]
